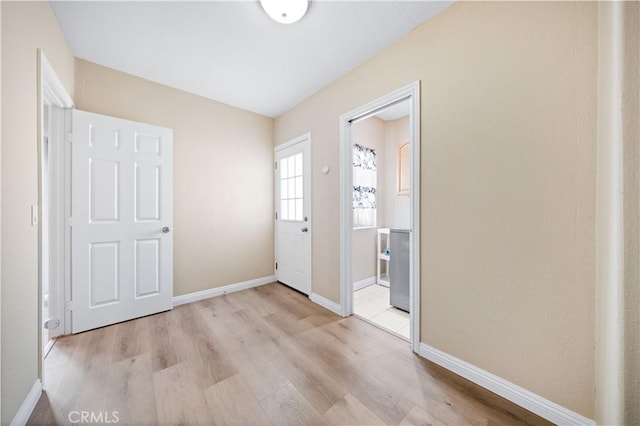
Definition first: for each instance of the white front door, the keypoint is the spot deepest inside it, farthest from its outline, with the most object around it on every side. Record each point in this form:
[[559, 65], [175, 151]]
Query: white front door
[[121, 220], [293, 207]]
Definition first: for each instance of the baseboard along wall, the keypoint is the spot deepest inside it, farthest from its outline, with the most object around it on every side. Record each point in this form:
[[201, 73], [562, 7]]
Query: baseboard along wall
[[334, 307], [546, 409], [29, 403], [359, 285], [220, 291]]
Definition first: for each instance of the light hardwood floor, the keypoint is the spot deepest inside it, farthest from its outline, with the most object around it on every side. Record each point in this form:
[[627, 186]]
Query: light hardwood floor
[[262, 356]]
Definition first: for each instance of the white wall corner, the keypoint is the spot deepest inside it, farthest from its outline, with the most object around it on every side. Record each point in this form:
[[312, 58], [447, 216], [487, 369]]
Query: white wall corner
[[334, 307], [359, 285], [611, 190], [29, 403], [220, 291], [536, 404]]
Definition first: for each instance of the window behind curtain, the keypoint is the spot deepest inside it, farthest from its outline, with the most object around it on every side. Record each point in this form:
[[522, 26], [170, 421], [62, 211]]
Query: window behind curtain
[[364, 186]]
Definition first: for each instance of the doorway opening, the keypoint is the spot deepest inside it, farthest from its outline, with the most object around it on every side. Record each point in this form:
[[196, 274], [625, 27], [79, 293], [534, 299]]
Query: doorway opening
[[381, 219], [380, 169], [44, 224], [50, 214]]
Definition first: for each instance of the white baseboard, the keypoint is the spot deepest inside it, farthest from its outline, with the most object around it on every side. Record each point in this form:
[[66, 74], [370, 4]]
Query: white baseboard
[[536, 404], [219, 291], [326, 303], [29, 403], [358, 285]]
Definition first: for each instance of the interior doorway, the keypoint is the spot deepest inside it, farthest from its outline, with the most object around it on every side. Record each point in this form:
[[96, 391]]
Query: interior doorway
[[50, 213], [47, 343], [381, 218], [379, 221]]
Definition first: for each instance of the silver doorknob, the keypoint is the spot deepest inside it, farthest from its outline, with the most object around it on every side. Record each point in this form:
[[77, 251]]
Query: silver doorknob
[[166, 229], [305, 229]]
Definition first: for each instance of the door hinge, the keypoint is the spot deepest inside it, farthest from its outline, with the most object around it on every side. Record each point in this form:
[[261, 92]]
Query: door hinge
[[69, 222], [68, 306], [276, 215], [69, 137], [276, 266], [276, 165]]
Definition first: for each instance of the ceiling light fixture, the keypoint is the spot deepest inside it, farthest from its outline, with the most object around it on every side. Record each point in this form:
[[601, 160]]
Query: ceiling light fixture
[[285, 11]]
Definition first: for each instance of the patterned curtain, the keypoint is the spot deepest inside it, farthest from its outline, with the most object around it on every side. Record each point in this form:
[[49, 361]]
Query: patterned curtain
[[364, 186]]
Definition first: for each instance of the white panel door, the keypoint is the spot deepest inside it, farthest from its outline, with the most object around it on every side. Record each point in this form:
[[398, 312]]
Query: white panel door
[[293, 206], [121, 220]]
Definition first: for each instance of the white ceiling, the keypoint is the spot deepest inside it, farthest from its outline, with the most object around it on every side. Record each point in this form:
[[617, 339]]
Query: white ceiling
[[394, 111], [231, 51]]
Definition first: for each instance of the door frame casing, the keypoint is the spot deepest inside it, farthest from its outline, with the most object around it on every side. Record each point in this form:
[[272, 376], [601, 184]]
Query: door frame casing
[[51, 92], [304, 138], [410, 92]]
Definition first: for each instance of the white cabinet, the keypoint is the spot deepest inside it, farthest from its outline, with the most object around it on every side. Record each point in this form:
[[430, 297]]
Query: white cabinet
[[382, 276]]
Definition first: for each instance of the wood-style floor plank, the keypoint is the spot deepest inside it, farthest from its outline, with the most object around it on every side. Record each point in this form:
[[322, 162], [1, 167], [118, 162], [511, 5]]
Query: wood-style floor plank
[[132, 338], [260, 356], [418, 417], [232, 403], [403, 379], [58, 362], [318, 387], [130, 391], [350, 411], [287, 406], [248, 338], [164, 339], [179, 399], [207, 351], [87, 369], [390, 406]]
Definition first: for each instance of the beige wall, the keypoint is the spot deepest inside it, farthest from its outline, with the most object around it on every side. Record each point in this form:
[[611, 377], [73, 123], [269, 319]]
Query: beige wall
[[370, 133], [26, 26], [223, 176], [507, 185], [397, 208]]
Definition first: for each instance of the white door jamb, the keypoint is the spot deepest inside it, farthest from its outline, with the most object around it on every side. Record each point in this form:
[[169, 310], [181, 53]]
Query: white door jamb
[[51, 92]]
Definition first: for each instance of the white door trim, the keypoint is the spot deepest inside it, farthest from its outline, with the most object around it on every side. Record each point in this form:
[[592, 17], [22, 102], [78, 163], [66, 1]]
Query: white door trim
[[292, 142], [306, 137], [51, 92], [51, 88], [410, 92]]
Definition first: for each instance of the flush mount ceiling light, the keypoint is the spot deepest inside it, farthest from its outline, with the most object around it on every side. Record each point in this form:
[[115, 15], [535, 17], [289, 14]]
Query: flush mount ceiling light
[[285, 11]]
